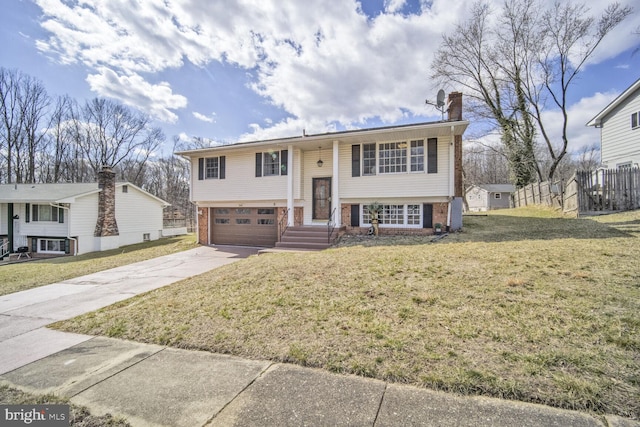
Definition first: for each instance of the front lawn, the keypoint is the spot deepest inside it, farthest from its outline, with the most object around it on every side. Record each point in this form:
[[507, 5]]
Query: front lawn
[[31, 274], [522, 305]]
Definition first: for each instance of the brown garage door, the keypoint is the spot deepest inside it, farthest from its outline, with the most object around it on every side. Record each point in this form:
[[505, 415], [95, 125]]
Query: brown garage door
[[244, 226]]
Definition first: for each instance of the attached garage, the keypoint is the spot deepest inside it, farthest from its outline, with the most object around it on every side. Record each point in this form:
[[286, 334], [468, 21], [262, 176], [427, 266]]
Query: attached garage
[[244, 226]]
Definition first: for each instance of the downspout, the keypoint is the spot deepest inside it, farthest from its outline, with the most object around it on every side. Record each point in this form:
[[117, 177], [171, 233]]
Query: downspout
[[290, 172], [451, 174], [75, 246], [335, 185]]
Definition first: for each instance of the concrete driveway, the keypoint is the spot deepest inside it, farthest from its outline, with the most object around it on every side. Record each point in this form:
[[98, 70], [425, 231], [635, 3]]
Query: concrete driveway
[[23, 315]]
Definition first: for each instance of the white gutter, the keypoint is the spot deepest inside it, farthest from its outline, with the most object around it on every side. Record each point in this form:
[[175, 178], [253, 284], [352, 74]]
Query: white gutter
[[75, 246]]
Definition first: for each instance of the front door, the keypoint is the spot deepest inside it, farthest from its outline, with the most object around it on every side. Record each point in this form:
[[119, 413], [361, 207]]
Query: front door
[[321, 198]]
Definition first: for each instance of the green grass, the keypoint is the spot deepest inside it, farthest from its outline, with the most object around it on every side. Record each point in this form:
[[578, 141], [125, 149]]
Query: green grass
[[27, 275], [522, 305], [78, 415]]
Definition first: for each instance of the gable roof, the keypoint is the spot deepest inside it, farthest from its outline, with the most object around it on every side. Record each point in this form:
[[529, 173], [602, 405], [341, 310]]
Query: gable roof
[[48, 193], [445, 127], [495, 188], [597, 120], [56, 193]]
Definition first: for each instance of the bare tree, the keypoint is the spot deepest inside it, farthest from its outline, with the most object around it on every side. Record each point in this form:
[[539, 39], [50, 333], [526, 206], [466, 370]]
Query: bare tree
[[568, 39], [517, 66], [11, 119], [112, 133], [34, 103], [587, 158]]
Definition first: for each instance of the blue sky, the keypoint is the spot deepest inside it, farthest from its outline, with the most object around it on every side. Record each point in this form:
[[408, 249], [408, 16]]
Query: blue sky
[[251, 69]]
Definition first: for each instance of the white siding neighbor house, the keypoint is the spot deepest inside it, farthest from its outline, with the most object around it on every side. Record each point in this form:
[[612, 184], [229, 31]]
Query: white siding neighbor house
[[486, 197], [278, 192], [619, 125], [77, 218]]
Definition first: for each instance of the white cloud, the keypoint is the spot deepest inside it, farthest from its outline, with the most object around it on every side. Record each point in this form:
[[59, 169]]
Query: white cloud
[[156, 99], [393, 6], [320, 61], [579, 134], [204, 117]]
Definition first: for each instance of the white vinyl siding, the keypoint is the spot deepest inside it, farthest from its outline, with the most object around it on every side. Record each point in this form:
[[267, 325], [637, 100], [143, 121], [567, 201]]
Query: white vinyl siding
[[241, 184], [395, 185], [39, 228], [621, 142], [137, 214]]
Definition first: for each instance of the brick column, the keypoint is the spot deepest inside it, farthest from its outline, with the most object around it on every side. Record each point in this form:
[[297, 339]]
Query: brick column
[[203, 225]]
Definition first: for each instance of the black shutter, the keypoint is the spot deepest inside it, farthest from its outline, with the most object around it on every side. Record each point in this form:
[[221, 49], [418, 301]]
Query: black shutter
[[355, 160], [54, 214], [222, 165], [27, 217], [34, 244], [60, 215], [200, 169], [284, 158], [355, 215], [67, 246], [35, 213], [258, 164], [427, 215], [432, 155]]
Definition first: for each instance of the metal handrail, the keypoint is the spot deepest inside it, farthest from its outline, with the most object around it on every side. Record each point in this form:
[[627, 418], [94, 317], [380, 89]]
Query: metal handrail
[[284, 223], [4, 249], [331, 225]]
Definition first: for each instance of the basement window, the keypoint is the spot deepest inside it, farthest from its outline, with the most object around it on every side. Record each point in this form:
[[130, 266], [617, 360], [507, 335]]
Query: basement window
[[409, 216], [146, 237], [51, 246]]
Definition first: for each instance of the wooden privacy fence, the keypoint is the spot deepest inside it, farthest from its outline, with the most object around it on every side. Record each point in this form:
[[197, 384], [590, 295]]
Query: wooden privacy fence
[[539, 193], [587, 191], [604, 190]]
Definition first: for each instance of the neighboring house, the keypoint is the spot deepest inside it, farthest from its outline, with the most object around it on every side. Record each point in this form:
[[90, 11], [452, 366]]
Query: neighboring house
[[486, 197], [619, 125], [250, 193], [77, 218]]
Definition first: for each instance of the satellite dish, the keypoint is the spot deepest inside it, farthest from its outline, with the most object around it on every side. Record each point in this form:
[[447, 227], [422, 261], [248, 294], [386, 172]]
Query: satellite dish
[[440, 99], [440, 103]]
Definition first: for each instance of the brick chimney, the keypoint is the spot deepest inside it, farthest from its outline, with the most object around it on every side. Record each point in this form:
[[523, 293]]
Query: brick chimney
[[106, 224], [455, 106]]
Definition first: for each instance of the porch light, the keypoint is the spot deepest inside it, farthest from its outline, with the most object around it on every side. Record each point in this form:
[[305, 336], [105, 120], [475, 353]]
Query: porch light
[[319, 162]]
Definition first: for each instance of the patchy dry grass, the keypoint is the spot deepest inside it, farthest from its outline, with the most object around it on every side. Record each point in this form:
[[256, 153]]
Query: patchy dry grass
[[27, 275], [522, 305], [79, 416]]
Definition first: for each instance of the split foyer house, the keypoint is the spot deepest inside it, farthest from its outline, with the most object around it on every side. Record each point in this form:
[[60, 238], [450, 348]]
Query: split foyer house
[[619, 125], [261, 193], [75, 218]]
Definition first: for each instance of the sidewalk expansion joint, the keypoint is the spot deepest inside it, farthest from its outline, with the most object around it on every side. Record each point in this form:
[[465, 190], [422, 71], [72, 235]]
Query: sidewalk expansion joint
[[117, 372], [260, 374]]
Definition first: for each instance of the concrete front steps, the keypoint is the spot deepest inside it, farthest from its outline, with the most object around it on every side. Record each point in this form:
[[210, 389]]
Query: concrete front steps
[[306, 237]]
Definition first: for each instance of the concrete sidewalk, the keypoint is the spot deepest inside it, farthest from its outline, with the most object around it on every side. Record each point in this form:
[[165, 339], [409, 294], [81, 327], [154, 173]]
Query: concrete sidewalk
[[153, 385]]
